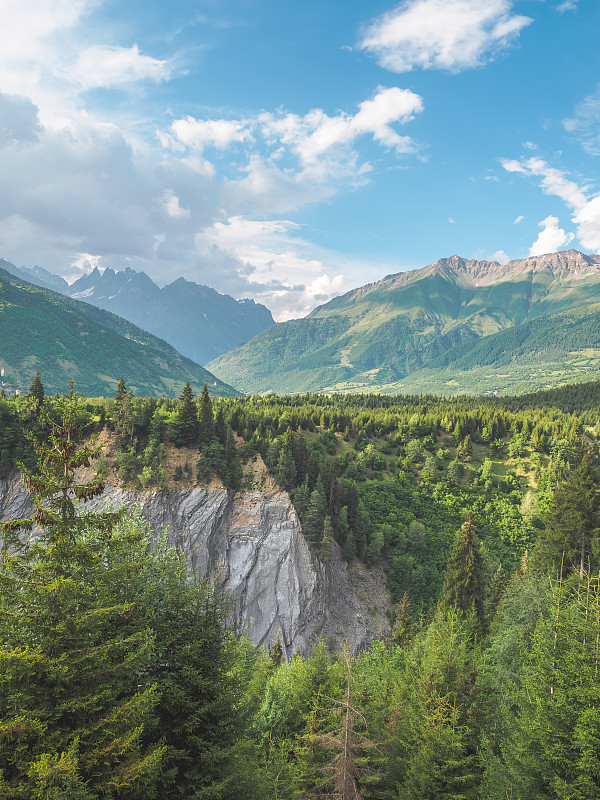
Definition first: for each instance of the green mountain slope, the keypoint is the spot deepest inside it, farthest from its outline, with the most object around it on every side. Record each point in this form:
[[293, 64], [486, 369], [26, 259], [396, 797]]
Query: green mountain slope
[[438, 329], [66, 339]]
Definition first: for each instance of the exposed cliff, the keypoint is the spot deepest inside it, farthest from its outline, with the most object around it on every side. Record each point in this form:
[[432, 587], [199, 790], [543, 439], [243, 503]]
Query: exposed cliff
[[254, 538]]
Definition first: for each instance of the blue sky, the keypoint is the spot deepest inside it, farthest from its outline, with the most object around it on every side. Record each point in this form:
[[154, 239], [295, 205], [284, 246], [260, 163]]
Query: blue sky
[[291, 151]]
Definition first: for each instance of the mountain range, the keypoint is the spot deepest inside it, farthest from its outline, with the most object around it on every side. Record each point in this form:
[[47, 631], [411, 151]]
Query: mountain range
[[198, 321], [67, 339], [455, 326]]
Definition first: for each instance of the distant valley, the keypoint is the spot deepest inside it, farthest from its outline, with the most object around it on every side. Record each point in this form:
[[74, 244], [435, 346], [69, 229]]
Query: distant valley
[[456, 326], [198, 321], [67, 339]]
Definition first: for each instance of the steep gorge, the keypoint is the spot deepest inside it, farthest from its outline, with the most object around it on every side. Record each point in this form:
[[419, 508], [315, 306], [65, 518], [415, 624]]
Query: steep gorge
[[254, 540]]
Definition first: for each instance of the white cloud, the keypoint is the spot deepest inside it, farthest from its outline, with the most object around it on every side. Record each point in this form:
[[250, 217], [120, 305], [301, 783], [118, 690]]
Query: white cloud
[[550, 238], [282, 269], [172, 207], [274, 258], [567, 5], [442, 34], [587, 219], [199, 133], [500, 256], [518, 219], [27, 24], [586, 210], [375, 117], [317, 133], [314, 134], [553, 180], [19, 120], [296, 159], [103, 66], [82, 187], [585, 123]]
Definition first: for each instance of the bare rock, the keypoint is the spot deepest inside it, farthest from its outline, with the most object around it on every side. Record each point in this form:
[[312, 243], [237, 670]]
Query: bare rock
[[254, 541]]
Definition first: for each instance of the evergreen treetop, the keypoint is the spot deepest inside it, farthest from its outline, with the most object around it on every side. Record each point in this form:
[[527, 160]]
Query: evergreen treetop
[[36, 390], [463, 586]]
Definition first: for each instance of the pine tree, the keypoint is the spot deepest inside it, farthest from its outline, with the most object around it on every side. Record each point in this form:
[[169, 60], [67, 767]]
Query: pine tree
[[342, 526], [463, 586], [558, 706], [286, 469], [571, 537], [315, 514], [220, 426], [206, 418], [302, 499], [345, 768], [121, 391], [36, 390], [404, 627], [195, 671], [187, 418], [71, 710], [276, 652], [123, 415]]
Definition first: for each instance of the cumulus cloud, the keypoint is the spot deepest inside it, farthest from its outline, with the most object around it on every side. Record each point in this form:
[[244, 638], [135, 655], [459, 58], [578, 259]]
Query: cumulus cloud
[[553, 181], [19, 121], [317, 132], [296, 159], [500, 256], [550, 238], [104, 66], [586, 210], [172, 207], [450, 35], [313, 135], [280, 264], [82, 188], [199, 133]]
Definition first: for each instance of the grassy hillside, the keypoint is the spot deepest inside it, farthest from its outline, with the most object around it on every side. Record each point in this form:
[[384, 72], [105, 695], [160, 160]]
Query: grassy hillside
[[66, 339], [457, 326]]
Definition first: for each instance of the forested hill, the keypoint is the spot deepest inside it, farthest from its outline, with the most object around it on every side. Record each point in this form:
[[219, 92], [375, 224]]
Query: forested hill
[[198, 321], [456, 326], [67, 339], [118, 667]]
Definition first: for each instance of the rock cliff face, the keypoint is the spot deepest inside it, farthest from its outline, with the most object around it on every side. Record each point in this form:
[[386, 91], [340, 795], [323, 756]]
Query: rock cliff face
[[254, 539]]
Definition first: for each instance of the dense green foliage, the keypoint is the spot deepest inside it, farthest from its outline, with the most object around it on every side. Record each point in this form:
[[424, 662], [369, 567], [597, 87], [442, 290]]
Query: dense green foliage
[[120, 679], [67, 339], [117, 675], [454, 327]]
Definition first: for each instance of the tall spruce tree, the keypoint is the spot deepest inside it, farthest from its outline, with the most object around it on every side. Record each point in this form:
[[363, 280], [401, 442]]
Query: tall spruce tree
[[463, 586], [188, 424], [36, 390], [72, 711], [207, 425], [571, 537]]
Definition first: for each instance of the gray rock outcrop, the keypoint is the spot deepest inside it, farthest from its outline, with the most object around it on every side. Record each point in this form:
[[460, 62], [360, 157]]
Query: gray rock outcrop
[[254, 540]]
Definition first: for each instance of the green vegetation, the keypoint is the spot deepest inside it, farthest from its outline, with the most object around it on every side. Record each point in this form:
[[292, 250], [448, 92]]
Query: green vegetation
[[120, 679], [69, 340], [454, 328]]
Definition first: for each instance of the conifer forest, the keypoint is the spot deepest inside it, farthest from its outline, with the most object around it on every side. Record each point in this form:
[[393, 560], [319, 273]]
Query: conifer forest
[[122, 678]]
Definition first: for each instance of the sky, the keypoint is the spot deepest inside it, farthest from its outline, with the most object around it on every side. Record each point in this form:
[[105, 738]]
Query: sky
[[289, 152]]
